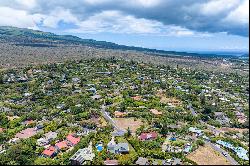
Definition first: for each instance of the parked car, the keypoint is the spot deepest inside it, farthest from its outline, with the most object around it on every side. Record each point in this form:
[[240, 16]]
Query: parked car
[[225, 154]]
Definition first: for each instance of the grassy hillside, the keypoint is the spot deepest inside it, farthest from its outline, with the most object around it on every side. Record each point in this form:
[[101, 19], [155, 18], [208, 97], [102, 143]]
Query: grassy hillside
[[34, 38]]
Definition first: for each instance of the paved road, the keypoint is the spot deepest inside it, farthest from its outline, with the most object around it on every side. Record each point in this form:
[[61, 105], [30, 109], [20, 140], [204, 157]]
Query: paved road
[[108, 118], [192, 110], [213, 129], [218, 149]]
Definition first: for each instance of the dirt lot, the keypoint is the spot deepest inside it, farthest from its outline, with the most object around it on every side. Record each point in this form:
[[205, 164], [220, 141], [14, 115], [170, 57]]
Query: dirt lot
[[124, 123], [226, 129], [164, 99], [207, 156]]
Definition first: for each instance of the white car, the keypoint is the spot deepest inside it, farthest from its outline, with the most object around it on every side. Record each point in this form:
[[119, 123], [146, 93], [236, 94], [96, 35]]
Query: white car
[[218, 146]]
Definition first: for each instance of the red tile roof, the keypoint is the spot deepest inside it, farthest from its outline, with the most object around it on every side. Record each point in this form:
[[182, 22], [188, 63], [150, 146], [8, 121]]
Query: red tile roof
[[27, 133], [111, 162], [1, 130], [27, 122], [148, 136], [156, 112], [61, 145], [73, 139], [49, 151], [137, 98]]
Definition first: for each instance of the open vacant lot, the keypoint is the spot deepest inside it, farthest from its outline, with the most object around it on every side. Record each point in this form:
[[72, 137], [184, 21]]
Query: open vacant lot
[[124, 123], [207, 156], [226, 129]]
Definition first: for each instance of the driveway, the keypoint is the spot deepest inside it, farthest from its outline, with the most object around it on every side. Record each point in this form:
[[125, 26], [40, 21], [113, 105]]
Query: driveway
[[108, 118]]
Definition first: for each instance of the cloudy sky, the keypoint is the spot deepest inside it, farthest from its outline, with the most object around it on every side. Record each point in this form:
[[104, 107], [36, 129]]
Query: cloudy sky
[[182, 25]]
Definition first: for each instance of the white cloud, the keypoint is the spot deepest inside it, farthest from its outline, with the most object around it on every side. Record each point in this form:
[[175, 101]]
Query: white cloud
[[96, 2], [58, 15], [27, 3], [18, 18], [215, 7], [114, 21], [132, 16], [117, 22], [240, 15], [146, 3]]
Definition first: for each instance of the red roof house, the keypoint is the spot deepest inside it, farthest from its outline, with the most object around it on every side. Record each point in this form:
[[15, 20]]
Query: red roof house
[[156, 112], [148, 136], [73, 140], [27, 133], [28, 122], [1, 130], [111, 162], [136, 98], [61, 145], [49, 152]]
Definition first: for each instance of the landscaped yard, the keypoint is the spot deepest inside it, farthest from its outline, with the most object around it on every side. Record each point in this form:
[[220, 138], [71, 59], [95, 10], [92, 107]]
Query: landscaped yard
[[207, 156]]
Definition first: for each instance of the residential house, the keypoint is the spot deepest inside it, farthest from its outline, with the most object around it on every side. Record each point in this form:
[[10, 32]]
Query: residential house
[[159, 162], [49, 152], [196, 131], [177, 161], [222, 118], [77, 91], [240, 152], [82, 155], [241, 117], [76, 80], [5, 109], [60, 106], [62, 145], [187, 148], [2, 149], [1, 130], [28, 122], [118, 133], [104, 73], [11, 118], [73, 140], [39, 127], [137, 98], [119, 148], [142, 161], [47, 138], [148, 136], [14, 140], [111, 162], [93, 90], [96, 97], [85, 131], [156, 112], [50, 135], [27, 133], [42, 142], [173, 126], [169, 148]]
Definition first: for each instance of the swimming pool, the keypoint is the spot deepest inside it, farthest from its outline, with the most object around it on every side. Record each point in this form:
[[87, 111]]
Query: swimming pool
[[99, 147]]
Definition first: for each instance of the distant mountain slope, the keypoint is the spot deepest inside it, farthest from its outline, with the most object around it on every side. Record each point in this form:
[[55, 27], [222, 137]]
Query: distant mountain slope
[[28, 37]]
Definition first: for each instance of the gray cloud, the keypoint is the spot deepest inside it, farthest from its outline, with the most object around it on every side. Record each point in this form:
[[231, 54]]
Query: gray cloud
[[209, 16]]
